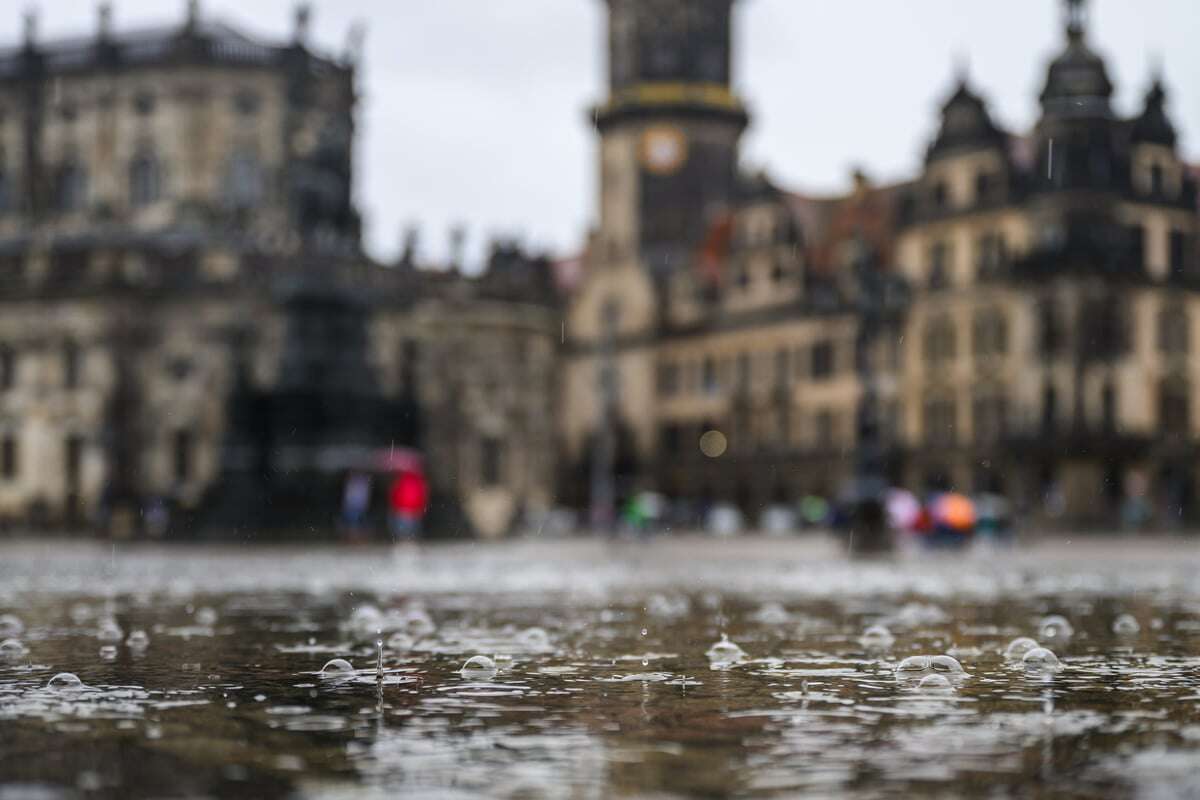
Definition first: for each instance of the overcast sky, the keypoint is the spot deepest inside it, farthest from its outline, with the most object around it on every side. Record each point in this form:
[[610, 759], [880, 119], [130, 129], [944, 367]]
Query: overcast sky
[[474, 110]]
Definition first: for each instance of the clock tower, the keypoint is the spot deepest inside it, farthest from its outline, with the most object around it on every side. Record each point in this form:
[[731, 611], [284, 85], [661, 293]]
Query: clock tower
[[669, 129]]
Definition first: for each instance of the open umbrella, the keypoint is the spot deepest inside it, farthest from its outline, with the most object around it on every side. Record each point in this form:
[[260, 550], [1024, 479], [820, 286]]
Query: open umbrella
[[955, 511]]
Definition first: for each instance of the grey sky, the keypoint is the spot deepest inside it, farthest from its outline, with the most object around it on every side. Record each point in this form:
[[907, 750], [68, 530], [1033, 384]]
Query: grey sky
[[474, 110]]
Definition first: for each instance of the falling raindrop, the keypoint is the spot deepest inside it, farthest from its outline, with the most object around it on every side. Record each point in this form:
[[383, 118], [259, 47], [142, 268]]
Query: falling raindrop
[[1018, 647], [877, 637], [1041, 660], [1125, 625], [725, 652], [1055, 627], [478, 667], [534, 639], [66, 682], [337, 668]]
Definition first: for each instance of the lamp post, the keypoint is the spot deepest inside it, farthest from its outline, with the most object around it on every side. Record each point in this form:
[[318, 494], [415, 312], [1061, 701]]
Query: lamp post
[[877, 299], [602, 511]]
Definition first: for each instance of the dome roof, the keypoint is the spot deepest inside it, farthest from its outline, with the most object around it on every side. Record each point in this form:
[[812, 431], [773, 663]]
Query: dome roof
[[1153, 126], [966, 124], [1077, 84]]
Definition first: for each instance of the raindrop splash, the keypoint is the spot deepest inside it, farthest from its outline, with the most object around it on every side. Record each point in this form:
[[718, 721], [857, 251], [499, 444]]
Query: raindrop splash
[[725, 653], [1126, 625], [1055, 628]]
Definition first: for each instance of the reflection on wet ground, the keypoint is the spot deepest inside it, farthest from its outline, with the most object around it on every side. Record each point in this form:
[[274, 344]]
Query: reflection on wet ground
[[684, 668]]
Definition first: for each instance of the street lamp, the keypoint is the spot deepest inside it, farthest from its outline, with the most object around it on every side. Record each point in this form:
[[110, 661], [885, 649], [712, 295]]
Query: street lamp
[[878, 298]]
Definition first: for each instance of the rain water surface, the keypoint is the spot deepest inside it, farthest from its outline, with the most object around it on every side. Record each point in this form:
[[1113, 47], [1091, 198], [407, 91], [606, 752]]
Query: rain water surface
[[756, 668]]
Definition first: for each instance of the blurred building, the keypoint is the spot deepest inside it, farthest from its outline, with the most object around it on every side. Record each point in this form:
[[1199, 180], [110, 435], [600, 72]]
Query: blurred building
[[186, 312], [1049, 280]]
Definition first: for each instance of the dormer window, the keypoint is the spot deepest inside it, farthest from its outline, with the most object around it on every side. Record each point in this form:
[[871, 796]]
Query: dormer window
[[940, 196], [1156, 180]]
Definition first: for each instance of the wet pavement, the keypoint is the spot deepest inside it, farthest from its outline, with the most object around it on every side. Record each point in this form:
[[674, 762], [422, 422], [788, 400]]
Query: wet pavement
[[684, 667]]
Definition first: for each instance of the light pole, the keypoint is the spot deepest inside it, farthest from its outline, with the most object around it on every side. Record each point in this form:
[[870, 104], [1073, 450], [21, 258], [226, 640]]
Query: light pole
[[602, 492]]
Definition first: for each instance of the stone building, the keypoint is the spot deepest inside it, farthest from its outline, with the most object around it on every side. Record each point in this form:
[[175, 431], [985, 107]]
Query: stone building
[[1045, 287], [184, 301]]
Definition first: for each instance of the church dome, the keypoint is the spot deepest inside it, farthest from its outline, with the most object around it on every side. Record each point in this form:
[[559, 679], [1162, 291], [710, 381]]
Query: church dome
[[1077, 84]]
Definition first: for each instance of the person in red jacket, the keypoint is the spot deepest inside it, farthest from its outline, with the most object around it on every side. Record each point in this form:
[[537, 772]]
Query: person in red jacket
[[407, 500]]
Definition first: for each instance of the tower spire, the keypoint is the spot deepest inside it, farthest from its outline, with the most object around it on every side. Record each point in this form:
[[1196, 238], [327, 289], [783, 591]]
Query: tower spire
[[1076, 18]]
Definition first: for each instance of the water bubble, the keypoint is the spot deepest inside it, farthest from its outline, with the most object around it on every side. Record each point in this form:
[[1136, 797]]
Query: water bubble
[[1042, 660], [947, 664], [725, 652], [65, 681], [772, 614], [108, 652], [337, 667], [138, 640], [1055, 627], [1018, 647], [110, 631], [935, 684], [206, 616], [534, 639], [12, 649], [913, 665], [11, 625], [81, 613], [877, 637], [478, 667], [1125, 625], [645, 631]]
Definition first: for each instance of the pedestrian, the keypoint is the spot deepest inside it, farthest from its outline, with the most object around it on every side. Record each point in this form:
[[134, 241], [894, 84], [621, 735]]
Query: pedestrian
[[407, 502], [356, 501]]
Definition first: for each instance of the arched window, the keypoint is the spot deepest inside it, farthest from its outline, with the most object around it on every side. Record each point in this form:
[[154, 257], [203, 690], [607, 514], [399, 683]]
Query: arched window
[[940, 341], [941, 420], [71, 363], [145, 180], [244, 181], [70, 187], [1173, 333]]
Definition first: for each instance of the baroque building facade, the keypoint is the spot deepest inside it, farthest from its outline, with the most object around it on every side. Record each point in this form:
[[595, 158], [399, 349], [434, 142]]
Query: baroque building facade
[[187, 312], [1046, 284]]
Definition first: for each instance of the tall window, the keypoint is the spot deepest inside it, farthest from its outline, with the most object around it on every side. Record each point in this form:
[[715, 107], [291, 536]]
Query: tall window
[[1173, 333], [940, 341], [941, 421], [1178, 246], [782, 376], [1108, 408], [1136, 242], [71, 364], [1050, 339], [8, 368], [743, 371], [940, 195], [182, 448], [5, 191], [989, 417], [990, 333], [939, 265], [824, 429], [145, 180], [985, 186], [709, 382], [1174, 406], [821, 361], [490, 457], [73, 458], [1156, 180], [9, 466], [1049, 408], [991, 254], [244, 182], [70, 188], [668, 379]]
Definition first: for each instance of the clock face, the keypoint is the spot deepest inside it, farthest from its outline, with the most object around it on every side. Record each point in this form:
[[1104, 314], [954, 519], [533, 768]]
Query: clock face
[[664, 149]]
